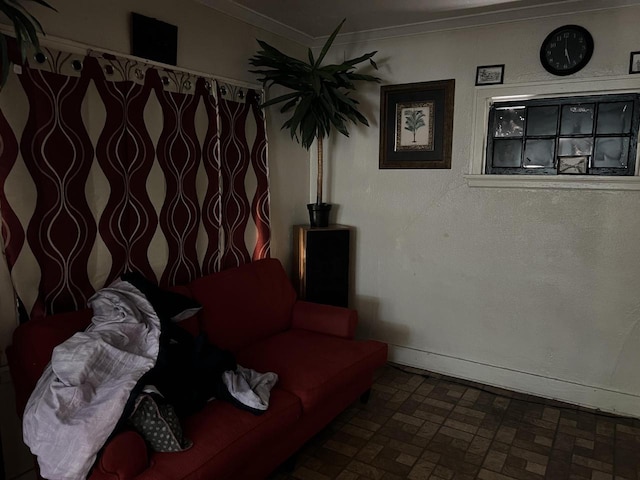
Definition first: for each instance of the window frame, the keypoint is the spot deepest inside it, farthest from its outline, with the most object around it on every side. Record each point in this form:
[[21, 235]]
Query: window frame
[[560, 102], [486, 95]]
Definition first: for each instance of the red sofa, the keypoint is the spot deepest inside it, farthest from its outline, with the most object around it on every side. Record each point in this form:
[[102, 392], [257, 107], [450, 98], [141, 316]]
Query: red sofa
[[251, 310]]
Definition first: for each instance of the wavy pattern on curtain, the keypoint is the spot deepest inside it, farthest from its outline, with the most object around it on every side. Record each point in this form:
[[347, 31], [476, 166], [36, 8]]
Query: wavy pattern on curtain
[[109, 165], [212, 205], [58, 153], [179, 156], [125, 153]]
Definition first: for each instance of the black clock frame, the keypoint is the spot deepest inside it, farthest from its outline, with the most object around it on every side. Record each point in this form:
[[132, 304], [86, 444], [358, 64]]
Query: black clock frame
[[580, 65]]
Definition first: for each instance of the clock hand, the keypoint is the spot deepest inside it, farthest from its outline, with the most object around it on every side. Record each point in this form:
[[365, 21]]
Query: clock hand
[[566, 52]]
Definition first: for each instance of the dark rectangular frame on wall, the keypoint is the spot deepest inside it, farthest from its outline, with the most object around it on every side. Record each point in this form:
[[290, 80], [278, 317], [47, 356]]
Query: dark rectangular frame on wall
[[634, 62], [428, 143], [489, 75], [154, 39]]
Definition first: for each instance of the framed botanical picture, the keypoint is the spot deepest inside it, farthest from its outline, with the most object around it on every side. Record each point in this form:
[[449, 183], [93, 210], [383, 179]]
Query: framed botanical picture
[[490, 75], [634, 62], [416, 125]]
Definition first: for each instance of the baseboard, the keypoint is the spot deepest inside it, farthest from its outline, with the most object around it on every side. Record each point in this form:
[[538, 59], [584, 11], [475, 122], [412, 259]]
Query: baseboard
[[589, 396]]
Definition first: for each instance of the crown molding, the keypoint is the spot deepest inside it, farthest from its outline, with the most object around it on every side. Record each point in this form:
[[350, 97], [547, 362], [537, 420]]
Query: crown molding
[[480, 20], [259, 20], [247, 15]]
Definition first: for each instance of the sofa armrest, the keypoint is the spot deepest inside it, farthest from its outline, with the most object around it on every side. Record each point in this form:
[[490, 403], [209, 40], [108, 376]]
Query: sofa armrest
[[337, 321], [124, 457]]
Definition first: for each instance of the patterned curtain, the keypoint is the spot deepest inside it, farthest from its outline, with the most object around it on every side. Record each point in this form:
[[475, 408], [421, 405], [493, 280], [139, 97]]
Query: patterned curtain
[[109, 165]]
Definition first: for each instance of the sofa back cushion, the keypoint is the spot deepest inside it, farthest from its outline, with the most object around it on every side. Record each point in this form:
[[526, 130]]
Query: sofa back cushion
[[244, 304]]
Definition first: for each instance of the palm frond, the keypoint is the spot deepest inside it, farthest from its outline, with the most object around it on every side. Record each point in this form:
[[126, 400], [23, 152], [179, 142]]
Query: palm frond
[[319, 99], [44, 4], [26, 28], [328, 43]]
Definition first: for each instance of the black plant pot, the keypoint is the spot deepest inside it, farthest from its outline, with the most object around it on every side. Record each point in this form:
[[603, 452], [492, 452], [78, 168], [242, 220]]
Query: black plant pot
[[319, 214]]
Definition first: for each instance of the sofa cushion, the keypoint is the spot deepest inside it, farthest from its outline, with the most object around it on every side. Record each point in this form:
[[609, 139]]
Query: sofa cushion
[[224, 437], [313, 365], [244, 304], [124, 456]]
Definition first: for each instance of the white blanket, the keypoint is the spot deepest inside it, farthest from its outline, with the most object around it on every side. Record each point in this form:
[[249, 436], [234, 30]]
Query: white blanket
[[81, 395]]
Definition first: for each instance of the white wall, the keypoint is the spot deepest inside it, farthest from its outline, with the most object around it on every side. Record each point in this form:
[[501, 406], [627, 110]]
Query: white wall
[[535, 290], [208, 42]]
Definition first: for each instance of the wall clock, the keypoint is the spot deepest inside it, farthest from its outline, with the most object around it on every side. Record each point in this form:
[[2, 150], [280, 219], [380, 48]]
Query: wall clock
[[566, 50]]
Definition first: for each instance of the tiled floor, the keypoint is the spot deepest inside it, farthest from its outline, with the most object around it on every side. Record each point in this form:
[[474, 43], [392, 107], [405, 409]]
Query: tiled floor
[[419, 425]]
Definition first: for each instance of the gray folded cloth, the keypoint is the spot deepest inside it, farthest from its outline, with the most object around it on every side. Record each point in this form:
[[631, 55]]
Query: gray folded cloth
[[252, 389]]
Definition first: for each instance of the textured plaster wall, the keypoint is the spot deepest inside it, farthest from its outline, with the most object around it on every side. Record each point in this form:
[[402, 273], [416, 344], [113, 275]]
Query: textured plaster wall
[[208, 42], [539, 283]]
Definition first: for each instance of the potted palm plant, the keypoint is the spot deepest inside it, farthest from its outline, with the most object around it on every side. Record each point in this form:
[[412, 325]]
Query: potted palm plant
[[319, 101], [26, 28]]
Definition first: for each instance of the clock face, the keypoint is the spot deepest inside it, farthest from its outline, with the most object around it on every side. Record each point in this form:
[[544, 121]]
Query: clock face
[[566, 50]]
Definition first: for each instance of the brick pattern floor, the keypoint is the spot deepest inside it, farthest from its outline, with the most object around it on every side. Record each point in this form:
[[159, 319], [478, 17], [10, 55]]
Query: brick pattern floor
[[419, 425]]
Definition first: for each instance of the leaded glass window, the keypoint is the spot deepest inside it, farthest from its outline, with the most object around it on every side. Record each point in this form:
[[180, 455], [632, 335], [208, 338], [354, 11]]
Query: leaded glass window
[[591, 135]]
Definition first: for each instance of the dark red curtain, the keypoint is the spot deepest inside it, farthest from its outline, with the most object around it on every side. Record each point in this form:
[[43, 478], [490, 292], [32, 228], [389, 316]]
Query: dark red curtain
[[108, 165]]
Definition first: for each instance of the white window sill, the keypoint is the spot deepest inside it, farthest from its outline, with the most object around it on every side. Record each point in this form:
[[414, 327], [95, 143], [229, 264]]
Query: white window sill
[[570, 182]]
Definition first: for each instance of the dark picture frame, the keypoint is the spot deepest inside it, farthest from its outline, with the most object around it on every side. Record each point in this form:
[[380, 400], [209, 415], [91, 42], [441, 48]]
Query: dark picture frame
[[154, 39], [489, 75], [634, 62], [416, 125]]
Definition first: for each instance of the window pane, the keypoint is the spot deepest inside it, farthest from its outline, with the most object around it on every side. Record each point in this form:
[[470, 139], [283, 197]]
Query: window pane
[[611, 152], [507, 153], [572, 147], [542, 120], [614, 117], [539, 153], [577, 119], [573, 165], [509, 122]]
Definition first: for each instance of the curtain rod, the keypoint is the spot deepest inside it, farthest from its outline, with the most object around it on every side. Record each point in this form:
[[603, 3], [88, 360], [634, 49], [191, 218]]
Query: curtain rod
[[84, 48]]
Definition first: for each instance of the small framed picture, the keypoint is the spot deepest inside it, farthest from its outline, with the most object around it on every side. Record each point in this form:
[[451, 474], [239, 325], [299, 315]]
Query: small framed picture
[[634, 62], [490, 75]]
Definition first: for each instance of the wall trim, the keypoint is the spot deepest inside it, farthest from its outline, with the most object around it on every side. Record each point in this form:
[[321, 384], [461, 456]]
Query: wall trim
[[453, 22], [563, 182], [590, 396], [73, 46], [484, 19], [257, 19]]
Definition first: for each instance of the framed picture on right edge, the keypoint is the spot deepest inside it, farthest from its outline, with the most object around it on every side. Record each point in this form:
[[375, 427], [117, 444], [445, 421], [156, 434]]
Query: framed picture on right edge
[[489, 75], [634, 62]]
